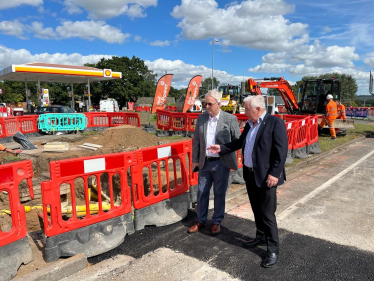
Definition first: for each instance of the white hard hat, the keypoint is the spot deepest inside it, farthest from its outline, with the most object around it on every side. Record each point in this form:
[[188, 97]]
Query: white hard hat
[[329, 97]]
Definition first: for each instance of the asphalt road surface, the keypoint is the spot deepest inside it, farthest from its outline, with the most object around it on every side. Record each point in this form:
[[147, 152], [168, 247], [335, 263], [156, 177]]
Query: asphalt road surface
[[325, 216]]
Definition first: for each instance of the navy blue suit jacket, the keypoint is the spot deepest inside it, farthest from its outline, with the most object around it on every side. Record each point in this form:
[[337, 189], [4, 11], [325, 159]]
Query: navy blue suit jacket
[[269, 150]]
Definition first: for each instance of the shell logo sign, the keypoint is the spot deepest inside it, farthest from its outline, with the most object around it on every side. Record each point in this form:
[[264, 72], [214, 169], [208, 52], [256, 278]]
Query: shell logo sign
[[107, 72]]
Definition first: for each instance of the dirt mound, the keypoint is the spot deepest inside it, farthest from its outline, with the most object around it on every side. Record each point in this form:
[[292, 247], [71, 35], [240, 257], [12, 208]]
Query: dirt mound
[[124, 137]]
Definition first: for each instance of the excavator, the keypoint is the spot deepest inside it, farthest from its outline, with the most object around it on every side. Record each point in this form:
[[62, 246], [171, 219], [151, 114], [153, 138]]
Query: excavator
[[230, 97], [313, 99]]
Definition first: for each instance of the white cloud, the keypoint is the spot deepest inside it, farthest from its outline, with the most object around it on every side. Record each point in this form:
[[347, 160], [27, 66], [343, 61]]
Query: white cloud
[[40, 32], [10, 56], [159, 43], [91, 30], [183, 72], [98, 9], [327, 29], [308, 60], [252, 24], [12, 28], [137, 38], [369, 61], [15, 3]]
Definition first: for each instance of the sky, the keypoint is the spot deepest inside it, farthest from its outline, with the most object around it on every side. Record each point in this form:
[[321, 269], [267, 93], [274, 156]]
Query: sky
[[238, 39]]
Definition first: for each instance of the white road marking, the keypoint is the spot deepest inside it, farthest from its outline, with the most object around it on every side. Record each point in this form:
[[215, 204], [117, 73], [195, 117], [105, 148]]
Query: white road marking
[[319, 189]]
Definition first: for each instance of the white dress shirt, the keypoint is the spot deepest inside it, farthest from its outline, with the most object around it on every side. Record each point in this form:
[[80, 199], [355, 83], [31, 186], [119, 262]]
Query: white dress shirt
[[211, 134]]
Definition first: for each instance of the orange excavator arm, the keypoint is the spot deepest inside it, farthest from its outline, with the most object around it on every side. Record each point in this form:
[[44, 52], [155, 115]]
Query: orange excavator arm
[[275, 83]]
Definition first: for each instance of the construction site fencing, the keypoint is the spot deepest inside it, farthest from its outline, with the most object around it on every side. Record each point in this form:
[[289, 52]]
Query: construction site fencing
[[112, 119], [15, 249], [171, 108], [242, 120], [164, 120], [49, 122], [97, 119], [370, 114], [179, 122], [143, 108], [11, 175]]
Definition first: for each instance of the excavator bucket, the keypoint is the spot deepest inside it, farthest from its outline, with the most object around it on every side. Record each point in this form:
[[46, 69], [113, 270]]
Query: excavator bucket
[[348, 124]]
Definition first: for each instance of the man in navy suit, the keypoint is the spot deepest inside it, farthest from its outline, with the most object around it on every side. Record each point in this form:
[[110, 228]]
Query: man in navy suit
[[264, 146]]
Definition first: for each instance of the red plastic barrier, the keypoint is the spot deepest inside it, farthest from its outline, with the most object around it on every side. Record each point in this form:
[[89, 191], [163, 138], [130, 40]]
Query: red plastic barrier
[[191, 121], [28, 124], [97, 119], [116, 119], [132, 119], [167, 178], [10, 126], [301, 133], [2, 128], [179, 122], [163, 120], [242, 119], [143, 108], [313, 130], [67, 172], [290, 127], [171, 108], [11, 176]]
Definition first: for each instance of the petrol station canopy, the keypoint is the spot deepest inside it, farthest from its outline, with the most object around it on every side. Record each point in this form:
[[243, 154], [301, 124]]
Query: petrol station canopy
[[57, 73]]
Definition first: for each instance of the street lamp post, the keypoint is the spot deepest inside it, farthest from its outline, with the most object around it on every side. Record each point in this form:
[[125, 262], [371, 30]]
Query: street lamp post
[[214, 40]]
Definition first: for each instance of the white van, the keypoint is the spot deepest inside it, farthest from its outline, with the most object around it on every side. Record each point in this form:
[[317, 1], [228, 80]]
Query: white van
[[109, 105]]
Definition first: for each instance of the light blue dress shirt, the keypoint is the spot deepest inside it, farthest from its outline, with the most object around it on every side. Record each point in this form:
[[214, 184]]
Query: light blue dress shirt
[[250, 141]]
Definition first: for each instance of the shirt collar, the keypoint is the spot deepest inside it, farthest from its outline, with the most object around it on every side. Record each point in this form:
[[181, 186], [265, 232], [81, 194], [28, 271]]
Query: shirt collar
[[217, 116], [260, 119]]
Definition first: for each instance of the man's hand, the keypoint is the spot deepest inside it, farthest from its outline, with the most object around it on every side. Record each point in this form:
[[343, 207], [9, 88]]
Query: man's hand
[[214, 148], [271, 181]]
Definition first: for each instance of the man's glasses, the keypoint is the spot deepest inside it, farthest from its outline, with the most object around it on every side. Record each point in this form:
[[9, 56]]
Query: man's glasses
[[210, 104]]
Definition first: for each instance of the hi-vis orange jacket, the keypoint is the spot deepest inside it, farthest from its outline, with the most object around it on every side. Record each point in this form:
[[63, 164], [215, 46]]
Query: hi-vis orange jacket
[[341, 112], [331, 110]]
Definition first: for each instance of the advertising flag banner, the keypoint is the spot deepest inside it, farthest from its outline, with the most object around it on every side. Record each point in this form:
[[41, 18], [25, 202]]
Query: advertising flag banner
[[162, 91], [192, 92]]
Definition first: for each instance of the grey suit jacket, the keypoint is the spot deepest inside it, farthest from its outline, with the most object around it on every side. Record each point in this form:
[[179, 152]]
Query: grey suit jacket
[[227, 130]]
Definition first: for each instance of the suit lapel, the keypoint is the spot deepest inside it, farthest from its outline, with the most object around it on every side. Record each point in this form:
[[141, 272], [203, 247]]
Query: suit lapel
[[261, 130]]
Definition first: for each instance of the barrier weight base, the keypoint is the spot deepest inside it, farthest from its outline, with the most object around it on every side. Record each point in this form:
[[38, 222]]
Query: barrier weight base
[[163, 213], [313, 148], [300, 153], [193, 194], [91, 240], [289, 159], [12, 256]]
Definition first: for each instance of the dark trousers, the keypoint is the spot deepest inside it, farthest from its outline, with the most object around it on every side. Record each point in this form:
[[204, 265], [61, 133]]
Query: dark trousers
[[264, 204]]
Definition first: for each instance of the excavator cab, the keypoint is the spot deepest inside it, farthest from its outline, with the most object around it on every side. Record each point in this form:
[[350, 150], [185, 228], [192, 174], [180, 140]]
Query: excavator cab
[[314, 94]]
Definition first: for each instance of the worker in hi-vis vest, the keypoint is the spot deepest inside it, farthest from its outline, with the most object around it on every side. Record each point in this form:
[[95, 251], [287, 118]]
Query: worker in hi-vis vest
[[330, 116], [341, 111]]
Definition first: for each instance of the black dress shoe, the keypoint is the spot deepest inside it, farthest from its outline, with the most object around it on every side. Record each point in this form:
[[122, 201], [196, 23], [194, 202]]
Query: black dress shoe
[[270, 260], [254, 242]]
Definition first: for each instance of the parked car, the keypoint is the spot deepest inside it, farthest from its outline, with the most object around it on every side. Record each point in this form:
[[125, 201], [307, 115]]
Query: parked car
[[54, 109]]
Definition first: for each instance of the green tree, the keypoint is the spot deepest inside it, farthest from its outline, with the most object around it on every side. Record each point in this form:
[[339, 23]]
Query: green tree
[[137, 80], [207, 84]]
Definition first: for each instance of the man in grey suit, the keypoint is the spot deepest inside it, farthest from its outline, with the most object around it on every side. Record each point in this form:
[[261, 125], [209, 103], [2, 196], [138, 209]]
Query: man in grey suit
[[213, 127]]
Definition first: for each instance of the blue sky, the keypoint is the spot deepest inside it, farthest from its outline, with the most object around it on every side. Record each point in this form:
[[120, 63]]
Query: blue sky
[[257, 39]]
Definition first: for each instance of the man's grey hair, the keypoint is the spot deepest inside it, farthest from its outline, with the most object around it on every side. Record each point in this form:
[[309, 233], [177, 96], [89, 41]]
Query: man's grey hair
[[214, 94], [256, 101]]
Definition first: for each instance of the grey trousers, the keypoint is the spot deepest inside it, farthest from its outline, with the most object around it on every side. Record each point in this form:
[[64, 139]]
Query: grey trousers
[[215, 173]]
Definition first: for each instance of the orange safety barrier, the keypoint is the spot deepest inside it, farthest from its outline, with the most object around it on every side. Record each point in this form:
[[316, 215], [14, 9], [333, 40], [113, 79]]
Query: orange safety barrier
[[163, 120], [191, 121], [116, 119], [11, 176], [132, 119], [28, 123], [290, 127], [179, 122], [171, 108], [313, 130], [71, 173], [143, 108], [97, 119], [242, 119], [10, 126], [2, 128], [165, 166], [301, 133]]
